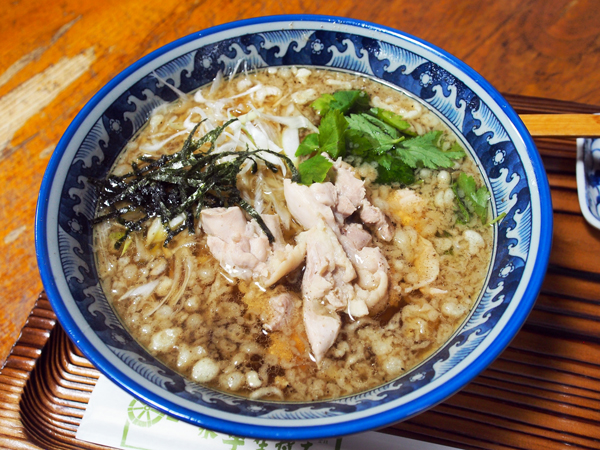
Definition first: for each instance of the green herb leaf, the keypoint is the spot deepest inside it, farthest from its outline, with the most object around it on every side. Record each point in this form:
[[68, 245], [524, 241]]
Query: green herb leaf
[[309, 145], [314, 170], [322, 104], [456, 148], [385, 136], [475, 199], [359, 144], [391, 169], [350, 127], [346, 101], [390, 118], [497, 219], [331, 133], [343, 101], [424, 150], [462, 213]]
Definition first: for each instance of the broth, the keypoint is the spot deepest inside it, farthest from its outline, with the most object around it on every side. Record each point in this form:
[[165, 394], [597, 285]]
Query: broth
[[210, 311]]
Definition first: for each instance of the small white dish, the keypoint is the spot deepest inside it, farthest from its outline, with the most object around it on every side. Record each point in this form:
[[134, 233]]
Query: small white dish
[[588, 179]]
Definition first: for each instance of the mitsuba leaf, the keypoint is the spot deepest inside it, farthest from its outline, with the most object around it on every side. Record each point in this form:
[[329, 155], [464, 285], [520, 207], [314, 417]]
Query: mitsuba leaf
[[390, 118], [462, 213], [331, 134], [314, 170], [385, 136], [359, 144], [456, 148], [344, 101], [309, 145], [393, 170], [475, 199], [322, 104], [349, 126], [424, 150]]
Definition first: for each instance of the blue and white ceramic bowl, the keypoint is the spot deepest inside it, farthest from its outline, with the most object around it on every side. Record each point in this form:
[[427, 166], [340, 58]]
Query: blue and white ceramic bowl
[[588, 179], [487, 125]]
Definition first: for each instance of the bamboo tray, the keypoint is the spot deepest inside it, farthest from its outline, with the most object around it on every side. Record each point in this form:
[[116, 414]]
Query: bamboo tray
[[543, 392]]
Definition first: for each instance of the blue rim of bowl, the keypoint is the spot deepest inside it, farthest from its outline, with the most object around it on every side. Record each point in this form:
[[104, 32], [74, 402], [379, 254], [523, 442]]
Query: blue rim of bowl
[[378, 420]]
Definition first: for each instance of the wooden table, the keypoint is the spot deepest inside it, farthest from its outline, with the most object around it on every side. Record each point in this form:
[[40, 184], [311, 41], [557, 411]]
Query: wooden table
[[55, 55]]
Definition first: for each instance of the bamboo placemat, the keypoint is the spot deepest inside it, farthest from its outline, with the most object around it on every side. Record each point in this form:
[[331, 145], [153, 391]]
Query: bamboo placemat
[[543, 392]]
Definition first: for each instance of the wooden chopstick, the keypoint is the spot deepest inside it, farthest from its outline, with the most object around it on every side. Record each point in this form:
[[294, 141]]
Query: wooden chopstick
[[545, 125]]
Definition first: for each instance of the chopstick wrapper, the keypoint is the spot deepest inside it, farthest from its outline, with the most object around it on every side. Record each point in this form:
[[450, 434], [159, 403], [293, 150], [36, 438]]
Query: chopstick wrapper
[[115, 419]]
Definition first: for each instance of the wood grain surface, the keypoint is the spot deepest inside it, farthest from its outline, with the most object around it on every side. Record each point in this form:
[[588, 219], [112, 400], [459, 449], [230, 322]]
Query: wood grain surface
[[575, 125], [55, 55], [541, 393]]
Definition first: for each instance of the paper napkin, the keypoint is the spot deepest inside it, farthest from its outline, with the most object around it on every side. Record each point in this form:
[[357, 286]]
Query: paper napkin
[[114, 418]]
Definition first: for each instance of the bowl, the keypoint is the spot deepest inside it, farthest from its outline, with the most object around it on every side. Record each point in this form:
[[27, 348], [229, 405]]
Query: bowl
[[588, 182], [488, 127]]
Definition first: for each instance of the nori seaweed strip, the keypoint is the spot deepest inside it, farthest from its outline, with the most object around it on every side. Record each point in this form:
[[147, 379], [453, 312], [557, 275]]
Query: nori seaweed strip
[[114, 213], [255, 215], [288, 162], [182, 183], [129, 227], [187, 149]]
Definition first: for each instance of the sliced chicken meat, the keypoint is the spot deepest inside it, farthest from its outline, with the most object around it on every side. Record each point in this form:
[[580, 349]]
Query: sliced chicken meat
[[342, 271], [328, 273], [242, 248], [371, 288], [376, 219], [352, 196], [281, 307], [311, 204], [239, 246], [426, 264], [356, 235], [322, 327], [282, 261], [334, 203], [224, 223], [350, 190]]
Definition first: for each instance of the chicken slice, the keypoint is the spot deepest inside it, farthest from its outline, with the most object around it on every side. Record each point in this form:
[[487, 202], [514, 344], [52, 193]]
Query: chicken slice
[[371, 288], [283, 260], [342, 274], [242, 248], [357, 236], [352, 196], [328, 273], [224, 223], [281, 306], [326, 287], [350, 190], [426, 263], [311, 204], [237, 244], [374, 217], [322, 327]]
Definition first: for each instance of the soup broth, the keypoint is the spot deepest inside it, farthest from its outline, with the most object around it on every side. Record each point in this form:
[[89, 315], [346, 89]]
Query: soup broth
[[353, 289]]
